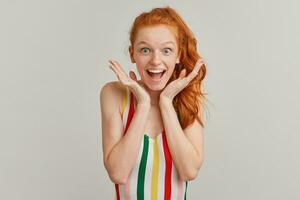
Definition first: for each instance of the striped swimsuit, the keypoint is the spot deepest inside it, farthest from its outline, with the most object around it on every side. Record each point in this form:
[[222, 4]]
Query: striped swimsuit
[[154, 176]]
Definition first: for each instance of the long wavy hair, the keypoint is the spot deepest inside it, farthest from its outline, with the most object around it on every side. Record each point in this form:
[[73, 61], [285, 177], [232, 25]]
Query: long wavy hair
[[190, 101]]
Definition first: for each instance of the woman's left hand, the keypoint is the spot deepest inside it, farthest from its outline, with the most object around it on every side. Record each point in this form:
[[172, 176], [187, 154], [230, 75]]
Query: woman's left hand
[[173, 88]]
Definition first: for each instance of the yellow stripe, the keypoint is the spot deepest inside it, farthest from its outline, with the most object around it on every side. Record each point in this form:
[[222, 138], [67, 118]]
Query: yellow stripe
[[155, 167], [124, 102]]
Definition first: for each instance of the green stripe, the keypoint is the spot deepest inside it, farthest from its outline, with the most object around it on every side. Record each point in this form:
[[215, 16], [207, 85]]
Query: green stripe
[[142, 169], [186, 185]]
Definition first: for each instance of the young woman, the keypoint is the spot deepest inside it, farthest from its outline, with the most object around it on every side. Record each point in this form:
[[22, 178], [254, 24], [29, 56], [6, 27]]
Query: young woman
[[152, 128]]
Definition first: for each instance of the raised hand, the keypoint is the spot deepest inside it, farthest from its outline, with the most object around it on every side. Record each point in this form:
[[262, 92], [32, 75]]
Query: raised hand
[[138, 91], [173, 88]]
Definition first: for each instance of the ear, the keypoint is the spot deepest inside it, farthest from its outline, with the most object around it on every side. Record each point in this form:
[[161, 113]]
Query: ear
[[131, 54]]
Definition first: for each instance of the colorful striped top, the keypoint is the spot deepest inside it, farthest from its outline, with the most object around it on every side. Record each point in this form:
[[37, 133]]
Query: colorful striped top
[[154, 175]]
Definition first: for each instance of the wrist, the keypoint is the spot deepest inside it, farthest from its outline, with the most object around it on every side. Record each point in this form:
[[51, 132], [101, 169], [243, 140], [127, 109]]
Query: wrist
[[163, 102]]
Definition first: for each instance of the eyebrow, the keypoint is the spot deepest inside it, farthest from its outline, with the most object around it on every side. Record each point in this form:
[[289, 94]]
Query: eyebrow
[[144, 42]]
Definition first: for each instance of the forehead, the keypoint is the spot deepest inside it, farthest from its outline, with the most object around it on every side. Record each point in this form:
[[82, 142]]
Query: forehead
[[156, 35]]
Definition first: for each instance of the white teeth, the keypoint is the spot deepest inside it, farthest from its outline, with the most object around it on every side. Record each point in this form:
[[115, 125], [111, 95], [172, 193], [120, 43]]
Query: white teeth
[[155, 70]]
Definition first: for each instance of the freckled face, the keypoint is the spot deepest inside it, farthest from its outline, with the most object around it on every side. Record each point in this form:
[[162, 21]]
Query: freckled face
[[155, 53]]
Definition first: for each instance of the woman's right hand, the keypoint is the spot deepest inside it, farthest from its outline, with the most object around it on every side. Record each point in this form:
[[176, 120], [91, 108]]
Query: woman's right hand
[[138, 91]]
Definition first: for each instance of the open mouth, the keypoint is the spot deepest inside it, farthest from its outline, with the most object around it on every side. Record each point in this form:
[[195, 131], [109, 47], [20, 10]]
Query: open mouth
[[156, 74]]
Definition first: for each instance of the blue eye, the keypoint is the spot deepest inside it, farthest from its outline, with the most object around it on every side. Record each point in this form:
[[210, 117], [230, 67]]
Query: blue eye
[[144, 50], [167, 50]]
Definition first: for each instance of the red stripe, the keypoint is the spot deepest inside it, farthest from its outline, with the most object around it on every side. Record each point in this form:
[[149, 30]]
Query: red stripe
[[167, 195], [130, 113], [117, 191]]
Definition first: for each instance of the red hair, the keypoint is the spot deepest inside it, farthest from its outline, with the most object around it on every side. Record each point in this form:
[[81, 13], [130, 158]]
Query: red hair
[[189, 102]]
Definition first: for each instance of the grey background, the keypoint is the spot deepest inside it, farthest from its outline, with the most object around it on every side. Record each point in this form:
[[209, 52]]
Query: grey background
[[54, 60]]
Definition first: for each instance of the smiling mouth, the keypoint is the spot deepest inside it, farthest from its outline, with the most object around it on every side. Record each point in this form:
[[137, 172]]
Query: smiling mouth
[[156, 75]]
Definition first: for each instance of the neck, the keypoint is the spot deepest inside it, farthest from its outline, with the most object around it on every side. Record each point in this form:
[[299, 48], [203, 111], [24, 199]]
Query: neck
[[154, 94]]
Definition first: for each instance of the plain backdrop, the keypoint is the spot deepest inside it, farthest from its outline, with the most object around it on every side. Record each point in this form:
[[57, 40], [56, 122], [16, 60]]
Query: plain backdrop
[[54, 61]]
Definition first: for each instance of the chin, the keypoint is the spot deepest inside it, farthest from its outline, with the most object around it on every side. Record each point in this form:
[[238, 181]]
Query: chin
[[156, 87]]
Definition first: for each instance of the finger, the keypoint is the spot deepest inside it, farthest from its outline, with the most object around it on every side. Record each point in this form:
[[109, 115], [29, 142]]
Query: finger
[[116, 73], [123, 79], [115, 65], [132, 75], [112, 67], [117, 70], [196, 69], [182, 73], [198, 65], [120, 69]]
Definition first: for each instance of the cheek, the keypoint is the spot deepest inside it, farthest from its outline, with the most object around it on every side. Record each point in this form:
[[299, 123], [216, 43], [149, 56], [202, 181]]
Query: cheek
[[139, 69], [170, 71], [140, 64]]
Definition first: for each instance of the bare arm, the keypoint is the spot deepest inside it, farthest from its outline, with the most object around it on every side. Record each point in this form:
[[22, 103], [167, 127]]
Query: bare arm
[[120, 152], [186, 146]]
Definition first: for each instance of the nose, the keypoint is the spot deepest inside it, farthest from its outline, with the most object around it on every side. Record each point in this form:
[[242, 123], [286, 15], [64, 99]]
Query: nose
[[155, 60]]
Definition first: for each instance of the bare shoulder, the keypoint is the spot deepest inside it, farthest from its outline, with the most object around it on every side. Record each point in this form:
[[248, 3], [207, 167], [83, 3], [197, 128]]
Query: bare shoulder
[[111, 94], [113, 86]]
